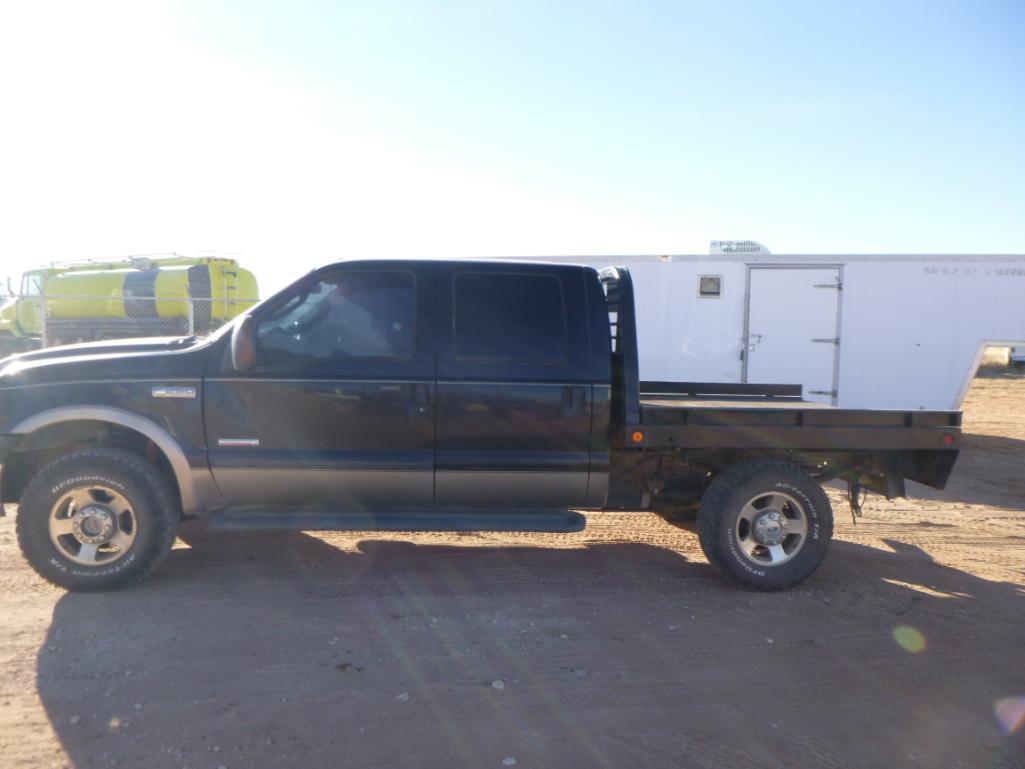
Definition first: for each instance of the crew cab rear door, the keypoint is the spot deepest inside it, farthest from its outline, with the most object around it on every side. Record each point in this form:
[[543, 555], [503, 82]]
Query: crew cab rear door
[[514, 386], [338, 411]]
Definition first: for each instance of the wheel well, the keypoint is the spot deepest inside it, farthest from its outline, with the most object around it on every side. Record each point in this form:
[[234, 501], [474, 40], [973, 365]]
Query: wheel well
[[38, 449], [680, 478]]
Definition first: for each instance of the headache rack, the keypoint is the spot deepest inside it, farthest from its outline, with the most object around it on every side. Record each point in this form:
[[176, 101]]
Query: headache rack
[[626, 384]]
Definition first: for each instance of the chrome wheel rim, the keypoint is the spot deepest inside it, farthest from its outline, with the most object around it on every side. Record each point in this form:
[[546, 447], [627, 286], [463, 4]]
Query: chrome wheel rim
[[93, 525], [771, 529]]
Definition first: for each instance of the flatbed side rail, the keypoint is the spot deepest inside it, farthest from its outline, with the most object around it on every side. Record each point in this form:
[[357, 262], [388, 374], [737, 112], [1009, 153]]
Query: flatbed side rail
[[746, 390], [797, 429]]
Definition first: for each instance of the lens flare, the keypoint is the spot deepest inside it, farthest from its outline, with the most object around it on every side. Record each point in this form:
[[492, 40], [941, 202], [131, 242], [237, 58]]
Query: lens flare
[[1010, 713], [909, 639]]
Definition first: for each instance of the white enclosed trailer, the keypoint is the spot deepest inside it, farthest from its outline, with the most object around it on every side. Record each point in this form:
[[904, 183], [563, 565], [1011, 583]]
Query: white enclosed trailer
[[857, 331]]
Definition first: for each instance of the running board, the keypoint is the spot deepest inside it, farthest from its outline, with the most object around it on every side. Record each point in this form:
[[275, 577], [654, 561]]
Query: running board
[[562, 521]]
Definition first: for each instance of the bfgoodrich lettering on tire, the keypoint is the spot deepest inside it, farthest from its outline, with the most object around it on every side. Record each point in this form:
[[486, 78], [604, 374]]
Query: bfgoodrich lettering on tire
[[96, 519], [765, 524]]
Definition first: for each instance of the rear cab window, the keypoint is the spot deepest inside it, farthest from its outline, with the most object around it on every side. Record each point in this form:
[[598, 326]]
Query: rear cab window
[[511, 318], [506, 322]]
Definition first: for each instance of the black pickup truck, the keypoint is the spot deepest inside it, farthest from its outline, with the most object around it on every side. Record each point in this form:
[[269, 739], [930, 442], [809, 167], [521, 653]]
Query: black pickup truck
[[427, 396]]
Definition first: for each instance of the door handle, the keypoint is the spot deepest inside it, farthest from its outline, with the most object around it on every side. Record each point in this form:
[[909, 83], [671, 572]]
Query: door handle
[[574, 401], [419, 396]]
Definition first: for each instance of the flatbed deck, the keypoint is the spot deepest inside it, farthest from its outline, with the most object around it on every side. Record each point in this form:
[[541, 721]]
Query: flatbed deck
[[719, 402]]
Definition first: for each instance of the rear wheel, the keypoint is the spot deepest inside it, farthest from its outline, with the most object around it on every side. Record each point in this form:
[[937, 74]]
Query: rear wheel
[[765, 524], [96, 519]]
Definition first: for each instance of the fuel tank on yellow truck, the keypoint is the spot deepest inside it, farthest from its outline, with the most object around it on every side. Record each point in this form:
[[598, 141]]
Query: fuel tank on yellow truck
[[131, 297]]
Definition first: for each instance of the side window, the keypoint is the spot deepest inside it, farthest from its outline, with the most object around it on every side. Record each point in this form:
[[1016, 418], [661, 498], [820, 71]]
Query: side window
[[509, 318], [32, 284], [343, 316]]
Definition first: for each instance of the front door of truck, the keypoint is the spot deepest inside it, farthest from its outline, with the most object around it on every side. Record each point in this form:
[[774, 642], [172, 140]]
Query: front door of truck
[[338, 412], [514, 390]]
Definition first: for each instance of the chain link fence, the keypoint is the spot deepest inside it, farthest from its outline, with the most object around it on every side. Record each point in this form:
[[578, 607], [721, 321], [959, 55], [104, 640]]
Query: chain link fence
[[31, 322]]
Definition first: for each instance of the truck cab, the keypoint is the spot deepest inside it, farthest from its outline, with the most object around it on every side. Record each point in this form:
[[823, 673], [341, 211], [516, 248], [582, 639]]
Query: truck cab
[[20, 315], [399, 384]]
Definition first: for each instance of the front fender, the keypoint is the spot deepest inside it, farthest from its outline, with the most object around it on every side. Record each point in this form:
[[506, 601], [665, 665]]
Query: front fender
[[183, 473]]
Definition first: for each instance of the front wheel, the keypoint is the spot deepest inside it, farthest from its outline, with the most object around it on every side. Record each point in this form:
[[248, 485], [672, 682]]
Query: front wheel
[[765, 524], [96, 519]]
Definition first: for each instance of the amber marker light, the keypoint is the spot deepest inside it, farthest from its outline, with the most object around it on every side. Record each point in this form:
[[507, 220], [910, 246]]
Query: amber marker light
[[638, 436]]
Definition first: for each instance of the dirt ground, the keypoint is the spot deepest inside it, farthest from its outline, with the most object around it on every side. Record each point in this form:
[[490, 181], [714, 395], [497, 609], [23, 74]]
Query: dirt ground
[[616, 647]]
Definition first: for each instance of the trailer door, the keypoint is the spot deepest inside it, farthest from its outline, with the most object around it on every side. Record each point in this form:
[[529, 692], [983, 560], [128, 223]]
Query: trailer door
[[793, 329]]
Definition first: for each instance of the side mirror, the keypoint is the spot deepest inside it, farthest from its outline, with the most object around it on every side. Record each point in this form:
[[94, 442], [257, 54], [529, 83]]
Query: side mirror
[[243, 344]]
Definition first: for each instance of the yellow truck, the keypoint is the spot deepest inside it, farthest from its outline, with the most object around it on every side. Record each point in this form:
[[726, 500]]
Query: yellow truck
[[137, 296]]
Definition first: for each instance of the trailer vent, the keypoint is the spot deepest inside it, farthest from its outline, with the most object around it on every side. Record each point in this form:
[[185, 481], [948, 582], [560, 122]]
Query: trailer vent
[[709, 286]]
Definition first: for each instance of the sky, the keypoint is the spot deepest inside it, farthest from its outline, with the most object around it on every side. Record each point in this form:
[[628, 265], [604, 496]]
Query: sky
[[290, 134]]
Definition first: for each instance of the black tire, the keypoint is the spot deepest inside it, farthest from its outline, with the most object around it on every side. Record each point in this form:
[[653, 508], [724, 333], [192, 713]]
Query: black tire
[[130, 475], [720, 527]]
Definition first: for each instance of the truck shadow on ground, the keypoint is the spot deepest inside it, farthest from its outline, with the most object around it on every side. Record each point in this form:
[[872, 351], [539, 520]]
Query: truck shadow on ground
[[988, 472], [284, 650]]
